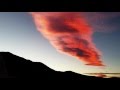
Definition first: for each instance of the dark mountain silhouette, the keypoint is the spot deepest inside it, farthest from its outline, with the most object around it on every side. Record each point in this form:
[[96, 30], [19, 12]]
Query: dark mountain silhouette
[[12, 66]]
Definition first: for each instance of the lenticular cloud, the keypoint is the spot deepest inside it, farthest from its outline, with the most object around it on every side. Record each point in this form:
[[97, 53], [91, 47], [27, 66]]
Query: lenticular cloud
[[69, 33]]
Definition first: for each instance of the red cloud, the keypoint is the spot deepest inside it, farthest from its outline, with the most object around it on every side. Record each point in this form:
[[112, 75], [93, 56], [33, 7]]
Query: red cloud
[[69, 33]]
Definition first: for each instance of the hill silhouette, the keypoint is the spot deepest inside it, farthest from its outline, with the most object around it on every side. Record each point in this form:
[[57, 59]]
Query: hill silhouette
[[12, 66]]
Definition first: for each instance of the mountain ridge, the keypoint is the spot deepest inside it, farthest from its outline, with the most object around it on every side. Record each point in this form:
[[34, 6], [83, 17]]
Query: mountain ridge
[[14, 66]]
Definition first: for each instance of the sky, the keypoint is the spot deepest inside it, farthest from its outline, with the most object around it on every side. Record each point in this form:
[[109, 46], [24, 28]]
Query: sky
[[20, 34]]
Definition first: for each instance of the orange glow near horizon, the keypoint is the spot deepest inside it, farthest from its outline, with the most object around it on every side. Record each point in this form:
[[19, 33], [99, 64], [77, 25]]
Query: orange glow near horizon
[[104, 75]]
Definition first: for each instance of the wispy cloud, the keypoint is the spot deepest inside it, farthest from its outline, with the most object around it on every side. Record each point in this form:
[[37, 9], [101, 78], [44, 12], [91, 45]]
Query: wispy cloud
[[104, 75], [103, 21]]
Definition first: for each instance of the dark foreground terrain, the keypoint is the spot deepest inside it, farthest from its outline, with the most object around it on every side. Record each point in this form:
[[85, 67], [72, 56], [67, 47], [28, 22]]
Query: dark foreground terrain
[[12, 66]]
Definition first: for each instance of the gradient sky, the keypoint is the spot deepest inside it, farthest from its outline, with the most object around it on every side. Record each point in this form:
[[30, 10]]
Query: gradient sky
[[19, 35]]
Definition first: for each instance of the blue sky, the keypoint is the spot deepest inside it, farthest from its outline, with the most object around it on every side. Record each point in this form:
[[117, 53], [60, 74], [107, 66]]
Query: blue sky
[[18, 34]]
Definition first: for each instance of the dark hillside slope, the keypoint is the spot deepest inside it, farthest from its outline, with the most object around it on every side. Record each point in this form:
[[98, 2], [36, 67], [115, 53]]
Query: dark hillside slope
[[12, 66]]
